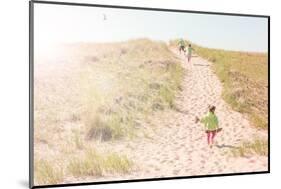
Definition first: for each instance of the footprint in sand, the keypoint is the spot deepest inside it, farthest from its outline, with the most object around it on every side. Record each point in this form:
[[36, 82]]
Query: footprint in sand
[[176, 172]]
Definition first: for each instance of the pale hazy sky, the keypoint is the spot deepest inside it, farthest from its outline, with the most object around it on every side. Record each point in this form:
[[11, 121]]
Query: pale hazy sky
[[66, 24]]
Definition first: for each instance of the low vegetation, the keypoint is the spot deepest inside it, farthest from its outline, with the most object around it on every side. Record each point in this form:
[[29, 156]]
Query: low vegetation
[[88, 163], [257, 147], [132, 80], [97, 93], [95, 164], [47, 172]]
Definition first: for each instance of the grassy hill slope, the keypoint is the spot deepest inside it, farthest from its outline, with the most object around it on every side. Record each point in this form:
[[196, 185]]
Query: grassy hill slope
[[93, 93]]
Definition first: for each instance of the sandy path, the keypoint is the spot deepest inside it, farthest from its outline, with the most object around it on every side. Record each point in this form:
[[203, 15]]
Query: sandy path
[[176, 146]]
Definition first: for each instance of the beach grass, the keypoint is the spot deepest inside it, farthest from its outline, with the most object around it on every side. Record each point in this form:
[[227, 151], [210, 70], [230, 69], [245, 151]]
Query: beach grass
[[47, 172], [98, 93], [93, 163], [256, 147]]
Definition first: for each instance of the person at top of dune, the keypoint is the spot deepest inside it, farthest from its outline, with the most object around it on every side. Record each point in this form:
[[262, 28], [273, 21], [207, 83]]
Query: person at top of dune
[[181, 44], [211, 123], [189, 52]]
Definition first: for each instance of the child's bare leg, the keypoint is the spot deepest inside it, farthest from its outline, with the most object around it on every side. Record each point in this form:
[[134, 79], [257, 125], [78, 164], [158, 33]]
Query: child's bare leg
[[209, 138], [213, 136]]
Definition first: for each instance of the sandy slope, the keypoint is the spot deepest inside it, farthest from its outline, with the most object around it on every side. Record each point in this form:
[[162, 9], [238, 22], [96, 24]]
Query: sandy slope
[[176, 146]]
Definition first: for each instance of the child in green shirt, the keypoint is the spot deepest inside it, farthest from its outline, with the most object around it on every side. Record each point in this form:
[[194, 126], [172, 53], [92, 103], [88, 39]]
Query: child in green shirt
[[211, 124], [181, 45], [189, 52]]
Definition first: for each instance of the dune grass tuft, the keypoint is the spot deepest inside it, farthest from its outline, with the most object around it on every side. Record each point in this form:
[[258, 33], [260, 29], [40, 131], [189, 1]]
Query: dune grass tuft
[[257, 147], [116, 163], [89, 165], [47, 172], [96, 164], [78, 140]]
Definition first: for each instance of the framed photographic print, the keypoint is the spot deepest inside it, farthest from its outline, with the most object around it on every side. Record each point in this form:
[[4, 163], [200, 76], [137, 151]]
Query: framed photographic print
[[126, 94]]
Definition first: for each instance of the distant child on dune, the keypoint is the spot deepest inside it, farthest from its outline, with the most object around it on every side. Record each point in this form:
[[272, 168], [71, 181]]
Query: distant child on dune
[[211, 124], [189, 51], [181, 45]]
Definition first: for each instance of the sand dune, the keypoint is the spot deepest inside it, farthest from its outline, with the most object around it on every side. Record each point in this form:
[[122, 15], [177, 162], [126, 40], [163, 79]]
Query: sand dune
[[173, 145]]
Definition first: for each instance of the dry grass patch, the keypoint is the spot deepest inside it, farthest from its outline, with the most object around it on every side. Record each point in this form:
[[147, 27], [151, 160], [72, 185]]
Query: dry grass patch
[[78, 140], [117, 163], [257, 147], [97, 164], [47, 172]]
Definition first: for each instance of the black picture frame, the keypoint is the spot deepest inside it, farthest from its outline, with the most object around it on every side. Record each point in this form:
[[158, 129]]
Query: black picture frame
[[31, 91]]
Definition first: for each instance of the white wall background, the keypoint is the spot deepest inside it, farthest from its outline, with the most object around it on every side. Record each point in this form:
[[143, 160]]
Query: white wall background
[[14, 93]]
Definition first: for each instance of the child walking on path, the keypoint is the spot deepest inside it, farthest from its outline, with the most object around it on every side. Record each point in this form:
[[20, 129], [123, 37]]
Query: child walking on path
[[190, 49], [181, 45], [211, 124]]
